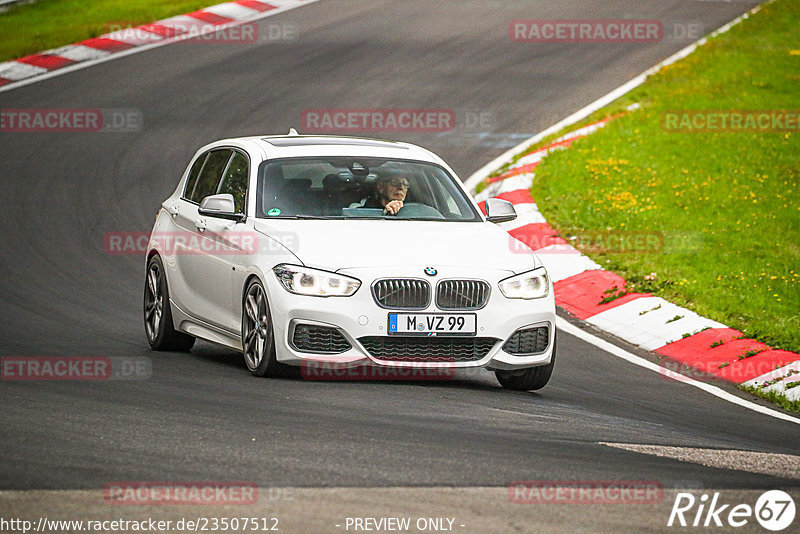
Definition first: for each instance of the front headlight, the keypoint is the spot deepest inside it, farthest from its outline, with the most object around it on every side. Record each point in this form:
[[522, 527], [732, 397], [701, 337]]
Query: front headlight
[[313, 282], [530, 285]]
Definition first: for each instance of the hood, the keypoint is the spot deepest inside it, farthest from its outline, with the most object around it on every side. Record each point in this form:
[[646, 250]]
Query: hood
[[345, 244]]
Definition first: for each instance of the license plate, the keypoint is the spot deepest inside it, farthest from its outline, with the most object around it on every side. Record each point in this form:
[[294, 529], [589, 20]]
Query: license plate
[[433, 323]]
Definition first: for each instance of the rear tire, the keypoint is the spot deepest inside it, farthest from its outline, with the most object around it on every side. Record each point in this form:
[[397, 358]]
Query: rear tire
[[158, 326], [529, 379]]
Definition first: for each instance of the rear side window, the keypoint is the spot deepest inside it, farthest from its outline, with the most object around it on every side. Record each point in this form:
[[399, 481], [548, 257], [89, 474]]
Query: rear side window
[[210, 175], [235, 180], [194, 174]]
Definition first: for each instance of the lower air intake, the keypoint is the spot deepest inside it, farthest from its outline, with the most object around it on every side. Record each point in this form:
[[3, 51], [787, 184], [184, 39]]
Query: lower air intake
[[428, 349], [528, 341]]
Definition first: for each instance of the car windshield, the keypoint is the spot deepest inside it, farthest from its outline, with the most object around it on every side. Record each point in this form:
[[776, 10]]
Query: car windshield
[[357, 188]]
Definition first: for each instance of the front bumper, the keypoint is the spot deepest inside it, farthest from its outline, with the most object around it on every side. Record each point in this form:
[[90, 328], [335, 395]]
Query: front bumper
[[359, 316]]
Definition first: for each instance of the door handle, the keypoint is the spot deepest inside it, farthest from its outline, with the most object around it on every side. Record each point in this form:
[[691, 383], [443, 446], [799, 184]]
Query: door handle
[[172, 209], [201, 224]]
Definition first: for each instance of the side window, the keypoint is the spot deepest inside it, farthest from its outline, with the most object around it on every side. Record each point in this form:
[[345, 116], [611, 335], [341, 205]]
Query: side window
[[235, 180], [209, 177], [194, 174]]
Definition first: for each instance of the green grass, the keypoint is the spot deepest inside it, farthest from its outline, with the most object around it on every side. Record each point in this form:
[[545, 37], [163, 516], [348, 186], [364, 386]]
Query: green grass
[[776, 398], [30, 28], [726, 203]]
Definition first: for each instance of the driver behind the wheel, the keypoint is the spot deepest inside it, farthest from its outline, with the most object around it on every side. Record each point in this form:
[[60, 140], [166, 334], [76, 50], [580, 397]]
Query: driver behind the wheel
[[390, 192]]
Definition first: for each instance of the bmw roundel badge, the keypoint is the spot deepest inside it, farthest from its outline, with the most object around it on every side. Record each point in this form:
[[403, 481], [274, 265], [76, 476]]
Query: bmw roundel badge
[[430, 271]]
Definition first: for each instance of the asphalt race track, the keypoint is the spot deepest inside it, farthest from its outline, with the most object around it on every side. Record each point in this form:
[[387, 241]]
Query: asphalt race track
[[202, 416]]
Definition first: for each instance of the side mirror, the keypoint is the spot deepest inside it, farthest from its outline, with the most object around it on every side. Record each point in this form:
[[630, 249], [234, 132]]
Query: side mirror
[[498, 210], [221, 206]]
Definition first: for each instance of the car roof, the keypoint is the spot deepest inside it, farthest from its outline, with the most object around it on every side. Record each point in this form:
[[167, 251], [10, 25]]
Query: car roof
[[288, 146]]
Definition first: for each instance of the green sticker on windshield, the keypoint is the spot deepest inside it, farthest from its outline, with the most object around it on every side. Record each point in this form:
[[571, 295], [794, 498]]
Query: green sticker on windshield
[[274, 211]]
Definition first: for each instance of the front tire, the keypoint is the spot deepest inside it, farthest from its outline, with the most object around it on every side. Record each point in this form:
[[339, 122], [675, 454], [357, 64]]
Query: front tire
[[529, 379], [158, 326], [258, 336]]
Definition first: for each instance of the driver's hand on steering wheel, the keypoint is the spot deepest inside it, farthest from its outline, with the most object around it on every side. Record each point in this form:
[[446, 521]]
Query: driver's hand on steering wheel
[[393, 207]]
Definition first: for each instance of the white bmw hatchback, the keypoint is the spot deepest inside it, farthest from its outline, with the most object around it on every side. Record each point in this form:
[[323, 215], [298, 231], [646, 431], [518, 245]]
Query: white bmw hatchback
[[300, 250]]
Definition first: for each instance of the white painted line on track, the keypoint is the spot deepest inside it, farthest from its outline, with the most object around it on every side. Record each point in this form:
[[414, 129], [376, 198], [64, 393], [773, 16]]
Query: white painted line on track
[[614, 350]]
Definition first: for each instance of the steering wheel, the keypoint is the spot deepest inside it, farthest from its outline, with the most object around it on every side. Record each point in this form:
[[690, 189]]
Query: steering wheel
[[414, 209]]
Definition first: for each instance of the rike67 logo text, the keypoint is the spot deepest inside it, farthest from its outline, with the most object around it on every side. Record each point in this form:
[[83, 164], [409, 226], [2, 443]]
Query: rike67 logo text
[[774, 510]]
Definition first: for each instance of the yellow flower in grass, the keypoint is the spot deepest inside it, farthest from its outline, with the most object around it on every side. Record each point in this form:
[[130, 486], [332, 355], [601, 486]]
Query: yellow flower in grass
[[622, 201]]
